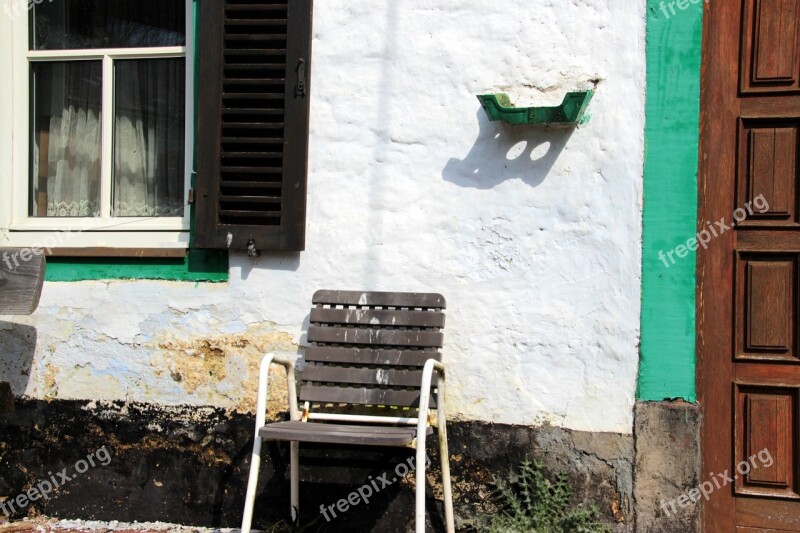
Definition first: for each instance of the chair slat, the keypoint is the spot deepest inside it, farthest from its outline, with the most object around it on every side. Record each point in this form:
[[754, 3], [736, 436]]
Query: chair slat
[[381, 317], [362, 396], [21, 280], [339, 433], [385, 337], [369, 356], [365, 376], [380, 299]]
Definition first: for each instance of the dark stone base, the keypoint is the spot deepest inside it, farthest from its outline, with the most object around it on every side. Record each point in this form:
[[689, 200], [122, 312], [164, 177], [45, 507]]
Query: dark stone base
[[667, 466], [6, 398], [189, 466]]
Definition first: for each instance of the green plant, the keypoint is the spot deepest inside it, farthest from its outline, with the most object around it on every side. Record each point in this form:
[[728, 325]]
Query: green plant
[[531, 503], [285, 526]]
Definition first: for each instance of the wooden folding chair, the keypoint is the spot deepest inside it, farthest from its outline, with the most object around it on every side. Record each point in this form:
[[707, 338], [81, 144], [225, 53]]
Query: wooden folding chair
[[376, 350]]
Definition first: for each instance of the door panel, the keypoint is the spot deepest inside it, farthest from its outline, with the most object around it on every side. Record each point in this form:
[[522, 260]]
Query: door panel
[[770, 46], [749, 276], [766, 417], [767, 172], [766, 307]]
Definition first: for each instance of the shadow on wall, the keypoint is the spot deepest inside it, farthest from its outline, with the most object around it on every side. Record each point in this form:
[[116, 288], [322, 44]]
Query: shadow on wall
[[17, 348], [503, 151], [288, 261]]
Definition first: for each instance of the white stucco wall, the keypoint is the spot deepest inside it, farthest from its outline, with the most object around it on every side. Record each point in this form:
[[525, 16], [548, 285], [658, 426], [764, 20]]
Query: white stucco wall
[[533, 236]]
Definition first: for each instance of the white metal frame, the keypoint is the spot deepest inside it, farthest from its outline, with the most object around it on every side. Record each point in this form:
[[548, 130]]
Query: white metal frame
[[422, 422], [16, 227]]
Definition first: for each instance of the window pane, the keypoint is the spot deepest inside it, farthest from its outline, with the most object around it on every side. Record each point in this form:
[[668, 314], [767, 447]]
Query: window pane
[[66, 131], [149, 137], [74, 24]]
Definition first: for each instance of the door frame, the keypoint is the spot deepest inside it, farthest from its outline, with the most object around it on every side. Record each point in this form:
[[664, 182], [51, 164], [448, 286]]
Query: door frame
[[714, 266]]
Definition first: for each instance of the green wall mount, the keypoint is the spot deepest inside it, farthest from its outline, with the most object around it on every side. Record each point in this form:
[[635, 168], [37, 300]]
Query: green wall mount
[[569, 113]]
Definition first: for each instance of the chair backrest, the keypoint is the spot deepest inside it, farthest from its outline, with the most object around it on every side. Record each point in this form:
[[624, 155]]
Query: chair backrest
[[21, 280], [368, 348]]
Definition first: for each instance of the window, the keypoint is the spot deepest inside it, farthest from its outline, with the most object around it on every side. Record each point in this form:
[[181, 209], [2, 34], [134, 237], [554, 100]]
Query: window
[[102, 137]]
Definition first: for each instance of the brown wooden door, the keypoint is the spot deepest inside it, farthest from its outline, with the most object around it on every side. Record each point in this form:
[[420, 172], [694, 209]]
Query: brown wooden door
[[749, 276]]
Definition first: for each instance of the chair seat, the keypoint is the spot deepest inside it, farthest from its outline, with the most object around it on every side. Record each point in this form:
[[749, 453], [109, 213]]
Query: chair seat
[[359, 434]]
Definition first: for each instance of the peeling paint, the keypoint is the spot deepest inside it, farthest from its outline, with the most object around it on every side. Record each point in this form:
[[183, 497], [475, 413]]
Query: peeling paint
[[207, 365]]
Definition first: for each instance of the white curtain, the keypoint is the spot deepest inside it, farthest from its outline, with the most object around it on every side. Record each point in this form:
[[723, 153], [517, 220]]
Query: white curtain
[[149, 138], [68, 129], [148, 154]]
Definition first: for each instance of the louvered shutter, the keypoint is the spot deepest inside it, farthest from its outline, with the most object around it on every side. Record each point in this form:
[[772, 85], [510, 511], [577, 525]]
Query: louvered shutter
[[252, 146]]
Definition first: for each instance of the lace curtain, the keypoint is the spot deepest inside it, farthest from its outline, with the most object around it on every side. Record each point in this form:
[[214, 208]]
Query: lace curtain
[[66, 154], [148, 164], [149, 138]]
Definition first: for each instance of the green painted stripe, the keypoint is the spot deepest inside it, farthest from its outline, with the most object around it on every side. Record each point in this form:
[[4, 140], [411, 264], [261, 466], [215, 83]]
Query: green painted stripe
[[674, 46], [199, 265]]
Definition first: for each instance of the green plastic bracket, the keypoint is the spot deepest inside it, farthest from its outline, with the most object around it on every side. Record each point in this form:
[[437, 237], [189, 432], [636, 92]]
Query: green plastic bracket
[[570, 112]]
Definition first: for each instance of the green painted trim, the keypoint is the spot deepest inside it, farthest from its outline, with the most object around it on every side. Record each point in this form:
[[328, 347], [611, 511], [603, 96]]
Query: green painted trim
[[199, 265], [674, 45], [196, 70]]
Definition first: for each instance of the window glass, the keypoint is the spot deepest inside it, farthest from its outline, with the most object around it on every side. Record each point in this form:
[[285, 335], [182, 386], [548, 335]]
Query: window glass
[[149, 137], [81, 24], [145, 129], [67, 134]]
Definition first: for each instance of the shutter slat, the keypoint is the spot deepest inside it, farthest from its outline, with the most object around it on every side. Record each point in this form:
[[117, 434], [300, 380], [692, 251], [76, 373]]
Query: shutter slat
[[252, 170], [253, 125], [250, 199], [250, 214], [249, 82], [273, 52], [266, 96], [247, 140], [255, 7], [254, 22], [251, 184], [253, 155], [249, 111], [256, 66], [252, 37]]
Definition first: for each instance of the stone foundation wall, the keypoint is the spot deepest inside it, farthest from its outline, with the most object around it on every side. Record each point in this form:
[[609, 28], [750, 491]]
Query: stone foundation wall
[[667, 466], [190, 465]]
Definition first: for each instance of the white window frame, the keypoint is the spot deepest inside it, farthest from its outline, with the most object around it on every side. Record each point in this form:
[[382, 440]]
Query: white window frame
[[17, 228]]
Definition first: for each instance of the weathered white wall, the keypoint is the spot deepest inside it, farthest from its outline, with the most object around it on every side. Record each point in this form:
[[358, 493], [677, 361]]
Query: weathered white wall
[[532, 236]]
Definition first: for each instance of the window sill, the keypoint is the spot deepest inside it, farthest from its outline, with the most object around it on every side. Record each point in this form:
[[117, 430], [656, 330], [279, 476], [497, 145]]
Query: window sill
[[172, 253]]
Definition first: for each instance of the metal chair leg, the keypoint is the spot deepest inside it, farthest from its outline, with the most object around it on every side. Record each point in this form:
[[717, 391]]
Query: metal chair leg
[[420, 484], [252, 484], [294, 477], [448, 489]]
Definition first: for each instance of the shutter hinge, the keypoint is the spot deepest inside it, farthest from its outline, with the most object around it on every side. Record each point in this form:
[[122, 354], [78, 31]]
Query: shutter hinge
[[191, 196], [300, 89]]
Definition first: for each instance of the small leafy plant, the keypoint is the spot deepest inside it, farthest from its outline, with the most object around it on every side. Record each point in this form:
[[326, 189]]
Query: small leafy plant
[[531, 503], [285, 526]]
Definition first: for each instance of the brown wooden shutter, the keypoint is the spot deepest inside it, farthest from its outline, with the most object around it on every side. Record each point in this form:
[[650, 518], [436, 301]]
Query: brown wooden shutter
[[252, 146]]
